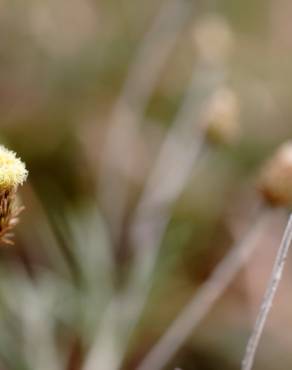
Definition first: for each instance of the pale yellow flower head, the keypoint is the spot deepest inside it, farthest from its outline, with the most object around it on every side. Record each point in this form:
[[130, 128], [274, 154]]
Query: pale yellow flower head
[[12, 170]]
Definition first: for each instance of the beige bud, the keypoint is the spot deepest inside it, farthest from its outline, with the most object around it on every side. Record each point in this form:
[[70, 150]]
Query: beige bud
[[221, 117], [275, 181], [213, 39]]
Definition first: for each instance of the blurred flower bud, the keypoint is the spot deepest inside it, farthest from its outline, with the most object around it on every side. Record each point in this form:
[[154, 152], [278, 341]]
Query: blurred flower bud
[[213, 39], [221, 118], [275, 181]]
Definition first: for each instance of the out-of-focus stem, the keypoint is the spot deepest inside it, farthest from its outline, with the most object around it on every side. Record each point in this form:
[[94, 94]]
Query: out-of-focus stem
[[128, 112], [253, 343], [204, 299], [129, 109], [183, 144]]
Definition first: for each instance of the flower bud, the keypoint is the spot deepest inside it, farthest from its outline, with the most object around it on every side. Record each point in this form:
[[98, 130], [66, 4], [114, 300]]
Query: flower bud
[[275, 181], [213, 39], [221, 117]]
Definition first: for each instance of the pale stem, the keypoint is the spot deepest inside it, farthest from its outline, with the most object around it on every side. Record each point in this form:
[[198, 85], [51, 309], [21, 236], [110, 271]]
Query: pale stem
[[180, 151], [277, 271], [204, 299], [183, 144], [128, 112]]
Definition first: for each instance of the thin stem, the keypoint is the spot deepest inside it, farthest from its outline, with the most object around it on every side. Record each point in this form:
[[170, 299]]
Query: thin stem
[[129, 110], [180, 151], [204, 299], [252, 346], [127, 115], [182, 146]]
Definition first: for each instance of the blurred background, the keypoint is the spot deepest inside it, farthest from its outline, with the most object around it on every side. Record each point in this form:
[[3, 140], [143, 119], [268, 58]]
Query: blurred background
[[143, 125]]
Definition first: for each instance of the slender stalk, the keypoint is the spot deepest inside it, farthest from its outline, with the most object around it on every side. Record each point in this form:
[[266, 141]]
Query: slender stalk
[[253, 343], [182, 146], [204, 299], [129, 110]]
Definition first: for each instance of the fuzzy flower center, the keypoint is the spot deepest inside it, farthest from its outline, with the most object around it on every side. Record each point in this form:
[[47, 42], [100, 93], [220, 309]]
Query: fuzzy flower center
[[12, 169]]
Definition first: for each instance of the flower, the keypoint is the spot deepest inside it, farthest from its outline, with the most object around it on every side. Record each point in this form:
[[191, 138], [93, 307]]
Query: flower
[[12, 169], [12, 174]]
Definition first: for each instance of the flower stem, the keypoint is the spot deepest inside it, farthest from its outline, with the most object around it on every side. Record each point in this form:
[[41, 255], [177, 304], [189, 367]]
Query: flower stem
[[203, 300], [252, 346]]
